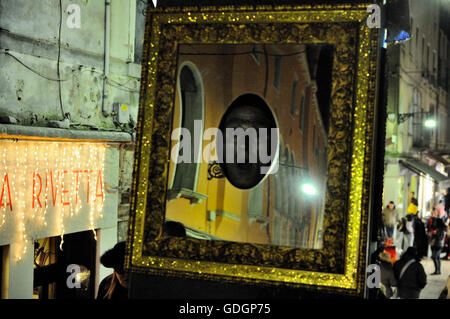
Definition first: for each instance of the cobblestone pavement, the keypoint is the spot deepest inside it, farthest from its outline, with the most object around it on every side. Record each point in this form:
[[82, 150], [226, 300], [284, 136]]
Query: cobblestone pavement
[[435, 283]]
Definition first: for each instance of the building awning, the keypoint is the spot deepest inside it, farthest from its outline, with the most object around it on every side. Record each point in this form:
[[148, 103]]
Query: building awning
[[422, 168]]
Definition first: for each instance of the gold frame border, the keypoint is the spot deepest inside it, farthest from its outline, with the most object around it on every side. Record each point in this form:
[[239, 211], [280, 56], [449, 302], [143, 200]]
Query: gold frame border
[[353, 277]]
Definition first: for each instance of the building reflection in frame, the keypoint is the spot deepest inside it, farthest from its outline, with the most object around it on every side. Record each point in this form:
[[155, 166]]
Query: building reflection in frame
[[251, 86]]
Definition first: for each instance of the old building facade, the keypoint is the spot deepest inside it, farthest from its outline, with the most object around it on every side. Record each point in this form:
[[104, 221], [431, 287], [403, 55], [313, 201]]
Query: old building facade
[[70, 75]]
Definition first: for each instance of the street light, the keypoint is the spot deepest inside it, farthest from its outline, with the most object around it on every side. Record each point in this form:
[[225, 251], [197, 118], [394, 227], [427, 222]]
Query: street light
[[429, 122], [306, 186], [309, 189]]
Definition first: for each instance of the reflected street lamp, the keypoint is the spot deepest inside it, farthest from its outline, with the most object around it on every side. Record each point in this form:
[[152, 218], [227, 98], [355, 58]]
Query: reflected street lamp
[[309, 189], [307, 186], [429, 122]]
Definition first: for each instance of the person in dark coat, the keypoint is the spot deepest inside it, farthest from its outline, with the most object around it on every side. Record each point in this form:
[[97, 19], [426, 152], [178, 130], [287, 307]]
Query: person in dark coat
[[114, 286], [447, 201], [420, 238], [410, 275], [387, 274], [436, 233]]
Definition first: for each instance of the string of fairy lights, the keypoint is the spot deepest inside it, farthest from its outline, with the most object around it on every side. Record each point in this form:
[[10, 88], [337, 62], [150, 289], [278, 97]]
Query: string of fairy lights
[[45, 184]]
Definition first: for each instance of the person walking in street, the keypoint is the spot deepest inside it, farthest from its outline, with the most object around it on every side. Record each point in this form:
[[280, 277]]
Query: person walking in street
[[410, 275], [420, 237], [387, 275], [390, 248], [445, 293], [406, 226], [441, 213], [436, 234], [390, 219], [447, 201], [446, 248], [413, 207], [401, 227]]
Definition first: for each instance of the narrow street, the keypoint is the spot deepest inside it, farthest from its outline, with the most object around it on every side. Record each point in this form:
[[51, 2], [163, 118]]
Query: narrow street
[[435, 283]]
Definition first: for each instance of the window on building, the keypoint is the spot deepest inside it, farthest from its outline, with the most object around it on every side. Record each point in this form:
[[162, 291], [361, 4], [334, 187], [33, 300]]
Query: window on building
[[191, 105], [292, 187], [294, 109], [410, 44], [433, 65], [316, 150], [45, 252], [423, 55], [278, 186], [314, 138], [51, 266], [302, 111], [417, 44], [256, 200], [277, 74]]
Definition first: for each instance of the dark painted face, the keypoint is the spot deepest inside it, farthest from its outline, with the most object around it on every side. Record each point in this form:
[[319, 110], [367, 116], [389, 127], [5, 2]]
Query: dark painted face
[[245, 169]]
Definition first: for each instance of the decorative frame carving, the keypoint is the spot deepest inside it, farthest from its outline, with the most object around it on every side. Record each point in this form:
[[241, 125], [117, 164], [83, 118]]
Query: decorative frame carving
[[340, 265]]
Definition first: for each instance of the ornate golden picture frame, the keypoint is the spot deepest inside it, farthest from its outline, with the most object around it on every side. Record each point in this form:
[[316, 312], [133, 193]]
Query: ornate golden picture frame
[[340, 264]]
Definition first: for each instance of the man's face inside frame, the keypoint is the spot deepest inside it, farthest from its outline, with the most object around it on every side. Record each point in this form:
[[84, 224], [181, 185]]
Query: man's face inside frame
[[246, 174]]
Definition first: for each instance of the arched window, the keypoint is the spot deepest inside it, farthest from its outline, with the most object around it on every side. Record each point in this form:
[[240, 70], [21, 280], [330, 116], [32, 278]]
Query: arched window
[[278, 179], [286, 182], [255, 202], [191, 101], [292, 186]]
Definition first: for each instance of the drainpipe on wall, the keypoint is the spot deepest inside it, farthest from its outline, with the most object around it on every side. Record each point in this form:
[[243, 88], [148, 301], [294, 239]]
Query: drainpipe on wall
[[106, 55]]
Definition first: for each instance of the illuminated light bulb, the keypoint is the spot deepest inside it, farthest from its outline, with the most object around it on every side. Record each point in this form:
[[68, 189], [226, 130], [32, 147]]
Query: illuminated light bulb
[[62, 242]]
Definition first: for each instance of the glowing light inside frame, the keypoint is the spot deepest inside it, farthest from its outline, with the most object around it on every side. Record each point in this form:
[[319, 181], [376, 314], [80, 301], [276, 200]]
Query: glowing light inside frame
[[38, 178]]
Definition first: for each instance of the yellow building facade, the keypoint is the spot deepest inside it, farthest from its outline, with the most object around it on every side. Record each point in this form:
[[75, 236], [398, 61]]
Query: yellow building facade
[[209, 79]]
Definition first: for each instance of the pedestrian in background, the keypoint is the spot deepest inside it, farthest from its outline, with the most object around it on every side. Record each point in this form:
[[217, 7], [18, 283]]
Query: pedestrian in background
[[390, 248], [420, 237], [446, 248], [410, 275], [447, 200], [441, 213], [390, 219], [413, 207], [445, 293], [436, 233]]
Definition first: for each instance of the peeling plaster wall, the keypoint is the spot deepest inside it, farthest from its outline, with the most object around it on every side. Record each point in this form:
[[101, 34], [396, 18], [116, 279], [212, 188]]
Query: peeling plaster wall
[[29, 31]]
